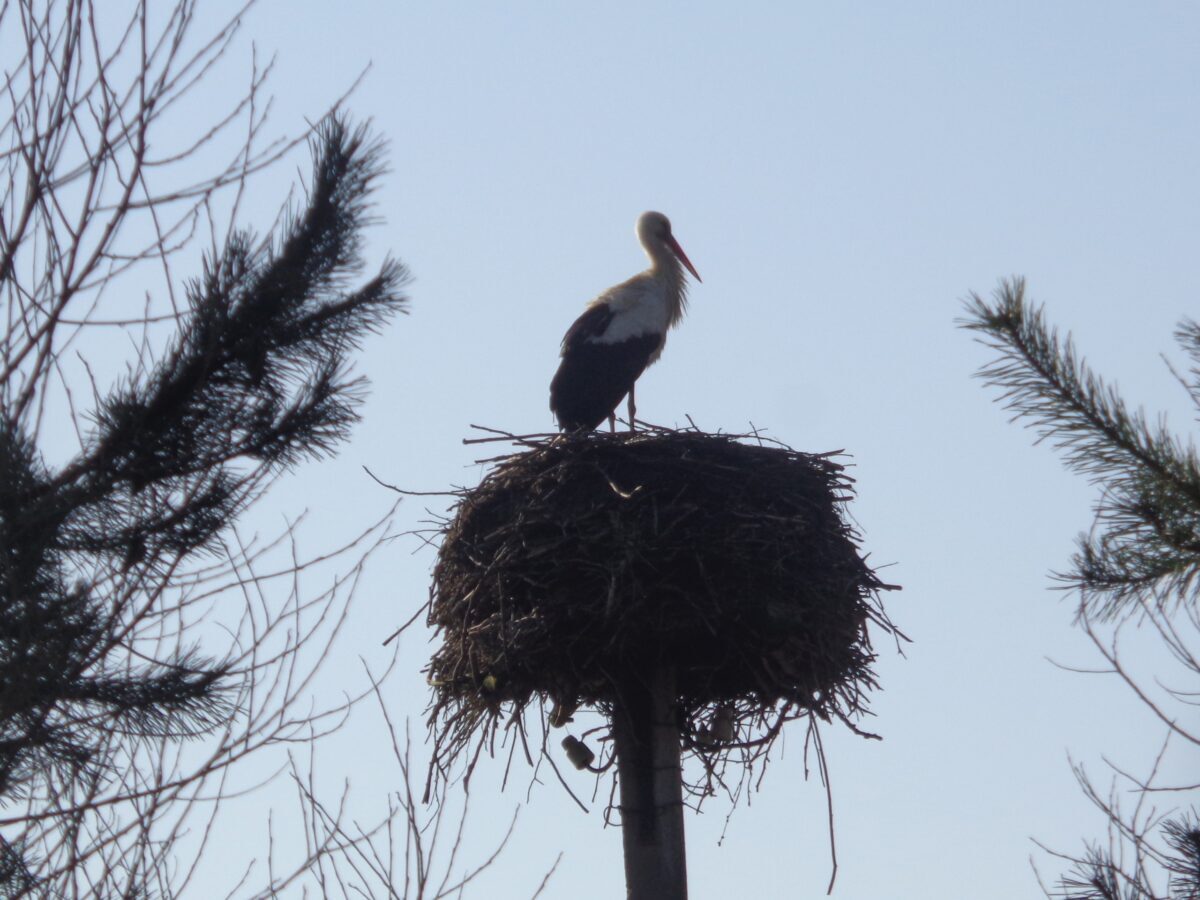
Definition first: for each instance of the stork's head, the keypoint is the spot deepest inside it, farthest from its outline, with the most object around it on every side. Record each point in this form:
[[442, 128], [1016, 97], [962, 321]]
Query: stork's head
[[654, 231]]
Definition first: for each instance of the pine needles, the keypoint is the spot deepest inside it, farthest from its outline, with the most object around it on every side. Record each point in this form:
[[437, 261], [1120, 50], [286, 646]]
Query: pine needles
[[1137, 567], [1147, 536], [255, 381]]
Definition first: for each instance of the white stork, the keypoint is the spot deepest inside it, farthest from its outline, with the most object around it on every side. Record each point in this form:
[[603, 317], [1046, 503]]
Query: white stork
[[621, 332]]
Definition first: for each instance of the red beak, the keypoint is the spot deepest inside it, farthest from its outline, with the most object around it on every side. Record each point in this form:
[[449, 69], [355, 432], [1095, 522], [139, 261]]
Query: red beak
[[678, 251]]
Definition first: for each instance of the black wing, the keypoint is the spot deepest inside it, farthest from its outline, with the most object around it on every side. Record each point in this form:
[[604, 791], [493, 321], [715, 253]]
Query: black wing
[[589, 326], [593, 377]]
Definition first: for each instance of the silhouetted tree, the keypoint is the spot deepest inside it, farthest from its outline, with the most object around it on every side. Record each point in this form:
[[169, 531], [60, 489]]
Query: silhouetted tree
[[1137, 567], [140, 653]]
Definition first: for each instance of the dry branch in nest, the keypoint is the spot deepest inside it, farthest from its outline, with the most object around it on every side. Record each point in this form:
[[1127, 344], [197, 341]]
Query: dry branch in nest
[[585, 559]]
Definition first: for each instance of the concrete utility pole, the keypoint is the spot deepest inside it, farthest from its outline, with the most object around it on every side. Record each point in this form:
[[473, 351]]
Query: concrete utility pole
[[645, 730]]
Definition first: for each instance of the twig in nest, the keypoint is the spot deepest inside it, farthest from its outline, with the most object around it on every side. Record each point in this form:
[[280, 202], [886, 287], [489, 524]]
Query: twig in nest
[[728, 557]]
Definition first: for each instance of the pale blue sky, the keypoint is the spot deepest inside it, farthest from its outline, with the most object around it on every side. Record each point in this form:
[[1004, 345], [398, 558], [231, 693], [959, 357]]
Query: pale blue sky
[[841, 175]]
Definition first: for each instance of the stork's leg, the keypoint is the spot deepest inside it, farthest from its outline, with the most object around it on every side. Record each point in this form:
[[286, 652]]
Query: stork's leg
[[632, 411], [612, 422]]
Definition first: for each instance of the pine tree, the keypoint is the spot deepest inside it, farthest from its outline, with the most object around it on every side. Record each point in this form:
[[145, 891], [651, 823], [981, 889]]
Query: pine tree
[[1139, 564], [116, 707]]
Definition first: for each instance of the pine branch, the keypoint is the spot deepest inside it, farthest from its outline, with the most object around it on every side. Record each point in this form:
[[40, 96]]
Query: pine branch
[[59, 702], [104, 598], [259, 373], [257, 380], [15, 878], [1096, 877], [1188, 336], [1146, 539], [1183, 838]]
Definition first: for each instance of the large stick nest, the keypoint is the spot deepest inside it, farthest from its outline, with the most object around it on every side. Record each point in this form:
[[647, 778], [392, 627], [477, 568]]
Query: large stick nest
[[584, 559]]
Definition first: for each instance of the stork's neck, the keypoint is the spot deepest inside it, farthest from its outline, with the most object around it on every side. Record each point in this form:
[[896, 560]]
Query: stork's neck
[[666, 269]]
